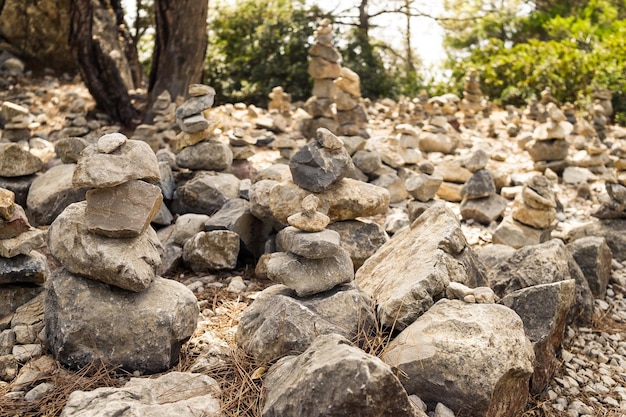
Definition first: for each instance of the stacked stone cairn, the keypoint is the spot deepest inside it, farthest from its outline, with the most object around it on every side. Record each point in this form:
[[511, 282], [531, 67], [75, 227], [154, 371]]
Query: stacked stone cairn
[[279, 109], [530, 221], [480, 202], [18, 122], [324, 67], [195, 128], [512, 121], [76, 123], [23, 270], [472, 99], [437, 135], [549, 147], [598, 119], [350, 114], [311, 261], [106, 302], [242, 146], [422, 187], [164, 129], [603, 97], [614, 201]]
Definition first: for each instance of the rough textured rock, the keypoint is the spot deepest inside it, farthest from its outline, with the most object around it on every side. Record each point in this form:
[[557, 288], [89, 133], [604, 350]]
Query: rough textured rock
[[483, 210], [236, 216], [7, 204], [411, 271], [594, 257], [333, 378], [141, 331], [134, 160], [310, 276], [22, 244], [172, 394], [543, 309], [345, 200], [17, 162], [361, 239], [278, 323], [205, 193], [19, 186], [128, 263], [423, 187], [320, 163], [207, 251], [69, 149], [479, 185], [515, 234], [32, 268], [492, 255], [125, 210], [186, 226], [14, 296], [207, 155], [51, 192], [316, 245], [15, 225], [610, 229], [474, 357], [545, 263]]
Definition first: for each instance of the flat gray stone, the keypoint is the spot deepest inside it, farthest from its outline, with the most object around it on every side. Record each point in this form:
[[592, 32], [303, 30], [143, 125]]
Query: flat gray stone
[[32, 268], [206, 155], [310, 245]]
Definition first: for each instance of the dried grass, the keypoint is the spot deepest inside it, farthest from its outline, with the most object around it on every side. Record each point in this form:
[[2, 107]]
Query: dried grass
[[95, 375]]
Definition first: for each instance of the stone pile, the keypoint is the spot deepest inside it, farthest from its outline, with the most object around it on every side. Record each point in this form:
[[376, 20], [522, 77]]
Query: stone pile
[[324, 67], [614, 201], [598, 119], [18, 122], [242, 146], [512, 121], [107, 303], [164, 129], [480, 201], [279, 101], [437, 135], [531, 219], [422, 187], [191, 119], [549, 147], [603, 97], [350, 113], [76, 123], [23, 270], [472, 99]]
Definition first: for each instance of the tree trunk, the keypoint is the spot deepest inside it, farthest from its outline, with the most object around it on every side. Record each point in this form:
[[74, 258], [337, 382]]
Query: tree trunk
[[364, 18], [130, 47], [95, 44], [180, 48]]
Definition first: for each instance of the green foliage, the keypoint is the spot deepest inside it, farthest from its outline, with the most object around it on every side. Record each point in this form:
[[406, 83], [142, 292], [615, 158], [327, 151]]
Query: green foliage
[[257, 45], [582, 49]]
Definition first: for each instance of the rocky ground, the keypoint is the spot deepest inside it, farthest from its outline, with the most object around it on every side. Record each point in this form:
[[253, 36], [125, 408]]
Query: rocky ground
[[591, 380]]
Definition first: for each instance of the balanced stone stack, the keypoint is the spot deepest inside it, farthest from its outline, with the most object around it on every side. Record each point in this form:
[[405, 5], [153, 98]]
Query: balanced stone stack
[[472, 97], [279, 109], [21, 265], [436, 136], [423, 187], [311, 260], [18, 122], [242, 147], [190, 118], [594, 157], [163, 130], [480, 202], [350, 114], [106, 302], [598, 118], [603, 97], [614, 201], [534, 211], [324, 67], [549, 148], [76, 124]]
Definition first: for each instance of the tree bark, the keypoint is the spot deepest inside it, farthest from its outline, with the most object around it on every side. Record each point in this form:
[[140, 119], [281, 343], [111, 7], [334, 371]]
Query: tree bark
[[100, 60], [180, 48]]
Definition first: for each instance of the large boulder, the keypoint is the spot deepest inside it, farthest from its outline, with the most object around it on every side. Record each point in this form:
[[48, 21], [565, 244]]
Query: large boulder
[[543, 309], [545, 263], [345, 200], [51, 192], [172, 394], [139, 331], [206, 155], [474, 358], [333, 378], [412, 270], [128, 263], [279, 323]]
